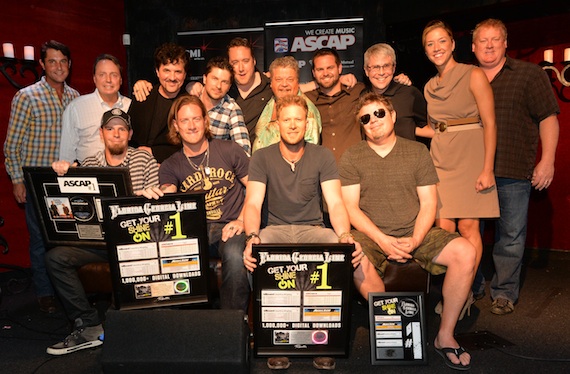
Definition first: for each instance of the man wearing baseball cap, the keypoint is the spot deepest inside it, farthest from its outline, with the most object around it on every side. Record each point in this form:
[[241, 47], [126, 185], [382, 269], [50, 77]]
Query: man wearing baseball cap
[[62, 262]]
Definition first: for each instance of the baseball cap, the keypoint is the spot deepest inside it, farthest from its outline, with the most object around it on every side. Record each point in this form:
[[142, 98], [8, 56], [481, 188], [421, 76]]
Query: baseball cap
[[116, 113]]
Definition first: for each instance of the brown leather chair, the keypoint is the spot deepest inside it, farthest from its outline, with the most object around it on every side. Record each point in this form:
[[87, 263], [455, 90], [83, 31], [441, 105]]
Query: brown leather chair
[[407, 277], [96, 277]]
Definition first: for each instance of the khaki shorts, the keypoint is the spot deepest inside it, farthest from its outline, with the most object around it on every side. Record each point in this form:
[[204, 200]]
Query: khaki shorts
[[436, 239]]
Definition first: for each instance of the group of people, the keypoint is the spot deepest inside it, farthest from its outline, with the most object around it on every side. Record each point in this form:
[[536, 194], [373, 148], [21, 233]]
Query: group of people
[[333, 160]]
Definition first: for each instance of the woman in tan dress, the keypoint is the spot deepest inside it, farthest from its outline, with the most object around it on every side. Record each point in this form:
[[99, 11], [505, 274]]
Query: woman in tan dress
[[461, 110]]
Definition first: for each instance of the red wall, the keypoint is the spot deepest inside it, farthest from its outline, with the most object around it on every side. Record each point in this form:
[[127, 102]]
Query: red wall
[[548, 210], [89, 28]]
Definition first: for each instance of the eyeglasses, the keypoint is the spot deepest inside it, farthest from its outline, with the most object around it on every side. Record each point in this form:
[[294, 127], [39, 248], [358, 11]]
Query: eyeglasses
[[380, 68], [379, 113]]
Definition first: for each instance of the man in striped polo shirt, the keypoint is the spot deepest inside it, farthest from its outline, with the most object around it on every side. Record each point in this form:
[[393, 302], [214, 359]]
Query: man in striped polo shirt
[[62, 262]]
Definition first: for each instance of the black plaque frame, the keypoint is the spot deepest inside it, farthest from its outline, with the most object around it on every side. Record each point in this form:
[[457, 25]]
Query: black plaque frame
[[302, 298], [68, 207], [158, 250], [397, 328]]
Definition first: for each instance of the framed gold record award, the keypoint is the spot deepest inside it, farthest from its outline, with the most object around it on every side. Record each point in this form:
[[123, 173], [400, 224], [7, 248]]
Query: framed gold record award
[[68, 207]]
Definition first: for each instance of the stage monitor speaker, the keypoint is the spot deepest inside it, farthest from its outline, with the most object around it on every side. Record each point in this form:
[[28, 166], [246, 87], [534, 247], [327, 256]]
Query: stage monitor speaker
[[175, 341]]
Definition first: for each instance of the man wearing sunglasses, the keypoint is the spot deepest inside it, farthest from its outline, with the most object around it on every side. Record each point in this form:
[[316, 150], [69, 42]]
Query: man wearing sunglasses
[[389, 189]]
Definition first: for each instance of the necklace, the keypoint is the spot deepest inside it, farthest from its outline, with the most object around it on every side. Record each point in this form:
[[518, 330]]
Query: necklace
[[201, 167], [204, 170], [293, 163]]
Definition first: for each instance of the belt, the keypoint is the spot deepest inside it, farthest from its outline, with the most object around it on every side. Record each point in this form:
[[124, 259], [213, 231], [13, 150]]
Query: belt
[[458, 124]]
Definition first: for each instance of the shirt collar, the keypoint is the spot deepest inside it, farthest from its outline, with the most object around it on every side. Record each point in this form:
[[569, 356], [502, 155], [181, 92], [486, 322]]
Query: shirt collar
[[117, 104], [343, 91]]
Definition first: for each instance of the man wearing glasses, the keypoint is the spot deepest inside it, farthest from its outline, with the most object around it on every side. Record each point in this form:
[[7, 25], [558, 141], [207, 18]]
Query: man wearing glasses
[[389, 189], [408, 101]]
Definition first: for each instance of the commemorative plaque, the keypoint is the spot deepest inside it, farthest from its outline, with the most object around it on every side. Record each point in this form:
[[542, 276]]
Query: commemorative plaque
[[69, 207], [397, 328], [158, 250], [302, 299]]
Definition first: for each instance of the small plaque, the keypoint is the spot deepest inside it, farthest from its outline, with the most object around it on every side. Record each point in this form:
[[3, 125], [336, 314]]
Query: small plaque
[[397, 328]]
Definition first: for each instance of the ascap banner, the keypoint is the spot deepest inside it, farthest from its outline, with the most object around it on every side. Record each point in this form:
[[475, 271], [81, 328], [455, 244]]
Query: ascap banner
[[301, 39]]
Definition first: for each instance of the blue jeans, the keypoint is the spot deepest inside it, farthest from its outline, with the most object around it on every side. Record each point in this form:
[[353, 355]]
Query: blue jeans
[[62, 264], [510, 237], [40, 276], [235, 289]]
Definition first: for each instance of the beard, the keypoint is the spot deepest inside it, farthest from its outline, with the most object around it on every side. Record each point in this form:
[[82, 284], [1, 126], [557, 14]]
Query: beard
[[331, 83], [117, 149]]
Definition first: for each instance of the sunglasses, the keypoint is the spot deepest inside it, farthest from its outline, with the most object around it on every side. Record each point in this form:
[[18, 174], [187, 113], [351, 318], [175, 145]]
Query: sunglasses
[[379, 113]]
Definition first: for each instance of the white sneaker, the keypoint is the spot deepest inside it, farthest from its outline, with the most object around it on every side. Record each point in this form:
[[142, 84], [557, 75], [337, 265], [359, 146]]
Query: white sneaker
[[81, 338]]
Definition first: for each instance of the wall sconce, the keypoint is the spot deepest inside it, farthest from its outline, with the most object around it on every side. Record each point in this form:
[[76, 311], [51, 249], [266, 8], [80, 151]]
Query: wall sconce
[[9, 62], [548, 64]]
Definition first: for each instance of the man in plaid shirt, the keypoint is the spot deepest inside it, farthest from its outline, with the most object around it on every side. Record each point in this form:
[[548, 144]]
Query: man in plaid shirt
[[33, 139], [226, 117]]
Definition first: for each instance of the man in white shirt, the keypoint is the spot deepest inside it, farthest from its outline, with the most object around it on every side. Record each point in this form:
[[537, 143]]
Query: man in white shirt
[[82, 117]]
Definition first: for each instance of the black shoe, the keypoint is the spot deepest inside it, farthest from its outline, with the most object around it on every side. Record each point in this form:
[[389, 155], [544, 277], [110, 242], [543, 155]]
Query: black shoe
[[47, 304], [479, 296]]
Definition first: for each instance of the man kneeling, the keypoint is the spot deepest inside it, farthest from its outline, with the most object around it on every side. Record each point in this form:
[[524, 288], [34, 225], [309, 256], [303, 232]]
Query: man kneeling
[[389, 189]]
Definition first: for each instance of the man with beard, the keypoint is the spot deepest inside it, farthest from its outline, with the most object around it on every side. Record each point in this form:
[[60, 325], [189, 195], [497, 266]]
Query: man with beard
[[62, 262], [226, 118], [149, 117], [335, 102]]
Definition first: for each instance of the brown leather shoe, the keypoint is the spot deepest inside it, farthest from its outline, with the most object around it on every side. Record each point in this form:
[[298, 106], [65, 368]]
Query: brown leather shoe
[[278, 363], [47, 304], [324, 363]]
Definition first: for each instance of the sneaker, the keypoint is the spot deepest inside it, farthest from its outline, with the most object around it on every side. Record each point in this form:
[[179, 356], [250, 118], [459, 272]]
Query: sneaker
[[81, 338], [502, 306], [324, 363]]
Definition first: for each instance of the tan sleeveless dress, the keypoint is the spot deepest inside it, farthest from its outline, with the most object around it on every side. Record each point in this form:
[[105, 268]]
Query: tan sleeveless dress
[[458, 156]]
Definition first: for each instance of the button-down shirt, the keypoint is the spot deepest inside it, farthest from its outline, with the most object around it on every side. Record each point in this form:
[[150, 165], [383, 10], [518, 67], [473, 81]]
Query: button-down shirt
[[81, 123], [410, 106], [226, 123], [34, 129], [340, 129], [523, 98], [267, 130]]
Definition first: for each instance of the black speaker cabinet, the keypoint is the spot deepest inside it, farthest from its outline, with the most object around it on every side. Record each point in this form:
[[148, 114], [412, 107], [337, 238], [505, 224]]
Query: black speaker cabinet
[[175, 341]]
